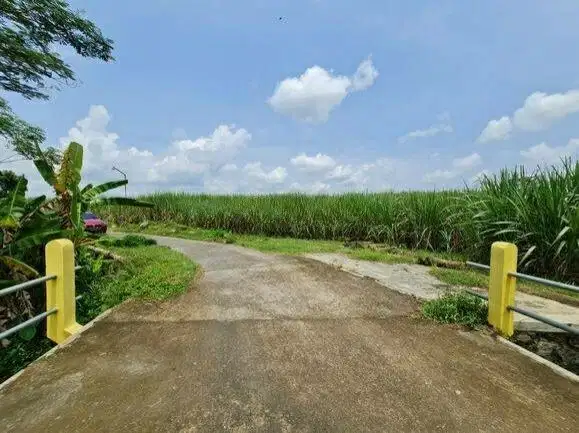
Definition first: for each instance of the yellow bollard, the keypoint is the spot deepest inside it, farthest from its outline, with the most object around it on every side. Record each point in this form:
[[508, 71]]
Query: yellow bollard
[[60, 291], [502, 287]]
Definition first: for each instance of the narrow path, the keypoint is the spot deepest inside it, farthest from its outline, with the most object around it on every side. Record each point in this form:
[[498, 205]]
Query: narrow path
[[283, 344]]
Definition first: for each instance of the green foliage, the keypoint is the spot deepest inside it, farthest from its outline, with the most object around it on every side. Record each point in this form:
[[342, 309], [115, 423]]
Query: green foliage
[[459, 307], [148, 272], [20, 353], [538, 212], [9, 181], [24, 139], [24, 226], [71, 201], [128, 241], [30, 33]]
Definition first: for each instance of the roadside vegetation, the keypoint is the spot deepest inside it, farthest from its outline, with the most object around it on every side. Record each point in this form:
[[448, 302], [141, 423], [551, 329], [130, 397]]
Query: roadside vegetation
[[139, 270], [459, 308], [538, 211]]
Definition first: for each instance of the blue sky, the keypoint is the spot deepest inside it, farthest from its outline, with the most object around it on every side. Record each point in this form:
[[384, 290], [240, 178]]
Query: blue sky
[[222, 96]]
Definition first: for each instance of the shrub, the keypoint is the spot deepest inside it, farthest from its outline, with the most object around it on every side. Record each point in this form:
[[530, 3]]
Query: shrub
[[457, 307]]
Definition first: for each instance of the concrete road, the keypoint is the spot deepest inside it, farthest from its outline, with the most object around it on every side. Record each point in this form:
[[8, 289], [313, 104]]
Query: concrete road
[[266, 343]]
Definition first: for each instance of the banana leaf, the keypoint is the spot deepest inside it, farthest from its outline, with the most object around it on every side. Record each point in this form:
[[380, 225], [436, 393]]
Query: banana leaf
[[46, 171], [17, 265]]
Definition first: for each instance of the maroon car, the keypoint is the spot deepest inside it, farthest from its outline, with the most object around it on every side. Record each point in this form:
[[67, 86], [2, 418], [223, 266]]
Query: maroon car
[[93, 224]]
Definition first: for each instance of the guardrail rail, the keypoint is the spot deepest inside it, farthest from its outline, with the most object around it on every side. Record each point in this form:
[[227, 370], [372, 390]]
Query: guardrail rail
[[60, 311], [502, 285]]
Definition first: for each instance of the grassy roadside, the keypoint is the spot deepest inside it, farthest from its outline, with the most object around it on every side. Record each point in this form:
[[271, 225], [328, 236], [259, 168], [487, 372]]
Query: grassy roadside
[[147, 271], [454, 277], [285, 245]]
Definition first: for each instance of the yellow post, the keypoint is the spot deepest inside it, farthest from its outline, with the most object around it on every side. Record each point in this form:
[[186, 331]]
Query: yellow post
[[502, 287], [60, 291]]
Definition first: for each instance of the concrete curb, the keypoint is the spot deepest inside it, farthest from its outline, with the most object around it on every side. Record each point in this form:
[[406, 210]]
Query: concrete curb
[[554, 367], [68, 342]]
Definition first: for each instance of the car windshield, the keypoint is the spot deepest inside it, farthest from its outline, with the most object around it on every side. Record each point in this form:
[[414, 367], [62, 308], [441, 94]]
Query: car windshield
[[89, 216]]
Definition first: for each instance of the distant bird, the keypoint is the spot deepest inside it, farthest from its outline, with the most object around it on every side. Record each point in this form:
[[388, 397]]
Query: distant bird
[[280, 18]]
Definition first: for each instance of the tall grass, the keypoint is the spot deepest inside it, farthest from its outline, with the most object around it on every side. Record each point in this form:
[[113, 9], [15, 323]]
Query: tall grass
[[538, 211]]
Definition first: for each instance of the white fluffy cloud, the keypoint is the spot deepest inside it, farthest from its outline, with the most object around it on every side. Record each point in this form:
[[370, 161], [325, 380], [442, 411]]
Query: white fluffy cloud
[[496, 130], [313, 95], [224, 137], [255, 170], [542, 153], [539, 111], [438, 175], [460, 166], [443, 127], [467, 162], [316, 163]]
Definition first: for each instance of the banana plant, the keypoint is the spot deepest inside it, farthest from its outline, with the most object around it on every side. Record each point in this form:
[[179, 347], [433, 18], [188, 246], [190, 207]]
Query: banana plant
[[24, 225], [71, 201]]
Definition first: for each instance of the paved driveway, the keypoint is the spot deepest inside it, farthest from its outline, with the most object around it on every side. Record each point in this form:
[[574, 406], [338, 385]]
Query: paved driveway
[[271, 343]]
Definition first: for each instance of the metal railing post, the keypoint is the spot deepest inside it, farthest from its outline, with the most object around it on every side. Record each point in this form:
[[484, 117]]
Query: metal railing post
[[60, 292], [502, 287]]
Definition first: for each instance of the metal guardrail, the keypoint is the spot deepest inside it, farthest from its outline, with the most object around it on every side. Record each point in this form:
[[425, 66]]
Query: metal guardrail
[[517, 275], [545, 282], [38, 318]]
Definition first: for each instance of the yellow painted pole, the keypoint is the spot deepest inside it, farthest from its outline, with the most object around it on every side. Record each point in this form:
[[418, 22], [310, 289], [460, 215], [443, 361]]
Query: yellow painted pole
[[502, 287], [60, 292]]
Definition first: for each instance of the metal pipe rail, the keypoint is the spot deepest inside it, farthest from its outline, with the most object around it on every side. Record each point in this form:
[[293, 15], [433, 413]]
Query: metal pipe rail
[[517, 275], [38, 318], [550, 283], [554, 323], [27, 323]]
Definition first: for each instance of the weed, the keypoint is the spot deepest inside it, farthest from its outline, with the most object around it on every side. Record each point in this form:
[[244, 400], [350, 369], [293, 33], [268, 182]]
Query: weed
[[457, 307]]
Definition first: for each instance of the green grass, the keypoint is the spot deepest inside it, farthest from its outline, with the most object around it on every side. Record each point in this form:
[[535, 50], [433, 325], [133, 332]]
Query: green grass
[[472, 278], [290, 246], [127, 241], [149, 272], [537, 211], [457, 307]]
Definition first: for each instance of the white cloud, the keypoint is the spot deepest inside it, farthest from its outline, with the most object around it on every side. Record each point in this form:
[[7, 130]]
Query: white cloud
[[541, 110], [479, 176], [254, 169], [438, 175], [313, 188], [224, 137], [364, 76], [542, 153], [460, 166], [496, 130], [467, 162], [313, 95], [340, 172], [228, 167], [319, 162], [428, 132]]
